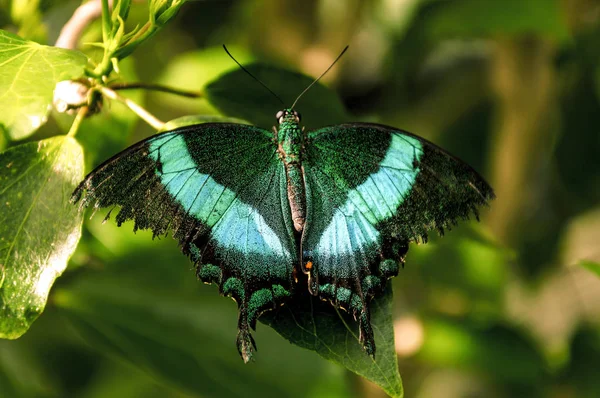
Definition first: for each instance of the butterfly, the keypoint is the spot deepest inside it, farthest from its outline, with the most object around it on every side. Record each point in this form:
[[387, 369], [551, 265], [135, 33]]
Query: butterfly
[[263, 214]]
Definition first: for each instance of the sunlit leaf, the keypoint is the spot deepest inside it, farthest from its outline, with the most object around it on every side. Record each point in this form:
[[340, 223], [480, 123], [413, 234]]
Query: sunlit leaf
[[28, 73], [310, 323], [39, 227], [237, 94]]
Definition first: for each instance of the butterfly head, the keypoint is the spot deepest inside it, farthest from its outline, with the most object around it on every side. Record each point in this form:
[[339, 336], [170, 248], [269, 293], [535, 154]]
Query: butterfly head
[[287, 116]]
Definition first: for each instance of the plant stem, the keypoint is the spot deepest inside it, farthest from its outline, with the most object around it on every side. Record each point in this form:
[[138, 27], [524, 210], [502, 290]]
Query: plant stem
[[77, 122], [141, 33], [137, 109], [156, 87], [106, 23], [82, 17]]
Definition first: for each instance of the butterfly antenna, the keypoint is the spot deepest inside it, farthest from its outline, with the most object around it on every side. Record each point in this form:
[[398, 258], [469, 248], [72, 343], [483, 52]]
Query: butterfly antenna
[[252, 76], [319, 78]]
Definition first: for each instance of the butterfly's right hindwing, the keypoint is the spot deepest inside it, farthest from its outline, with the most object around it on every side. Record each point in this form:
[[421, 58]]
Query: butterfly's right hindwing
[[221, 189]]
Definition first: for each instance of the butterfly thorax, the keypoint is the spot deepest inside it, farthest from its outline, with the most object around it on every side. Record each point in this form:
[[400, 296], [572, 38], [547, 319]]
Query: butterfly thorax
[[290, 139]]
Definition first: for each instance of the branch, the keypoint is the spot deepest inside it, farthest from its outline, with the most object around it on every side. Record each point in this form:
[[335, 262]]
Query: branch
[[156, 87], [141, 112], [77, 122]]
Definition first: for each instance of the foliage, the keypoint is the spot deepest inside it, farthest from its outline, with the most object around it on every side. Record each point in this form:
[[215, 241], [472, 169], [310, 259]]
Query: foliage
[[29, 73], [40, 228], [512, 89]]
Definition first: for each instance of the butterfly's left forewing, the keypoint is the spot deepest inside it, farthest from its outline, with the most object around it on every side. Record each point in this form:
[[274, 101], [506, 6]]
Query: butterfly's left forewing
[[372, 189], [222, 191]]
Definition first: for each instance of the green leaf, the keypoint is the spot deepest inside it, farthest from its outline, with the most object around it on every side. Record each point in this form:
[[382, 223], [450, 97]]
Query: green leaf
[[39, 227], [21, 373], [237, 94], [466, 265], [192, 71], [473, 18], [315, 325], [162, 11], [591, 266], [580, 375], [151, 312], [198, 119], [28, 74]]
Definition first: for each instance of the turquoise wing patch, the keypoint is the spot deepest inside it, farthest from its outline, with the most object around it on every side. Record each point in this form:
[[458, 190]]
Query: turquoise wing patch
[[371, 190], [222, 191]]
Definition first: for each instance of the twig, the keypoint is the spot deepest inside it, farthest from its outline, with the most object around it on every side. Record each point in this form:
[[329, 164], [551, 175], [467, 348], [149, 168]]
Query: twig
[[77, 122], [141, 112], [82, 17], [155, 87]]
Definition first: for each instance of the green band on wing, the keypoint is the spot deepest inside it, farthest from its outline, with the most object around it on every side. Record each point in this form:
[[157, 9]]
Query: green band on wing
[[234, 224], [375, 200]]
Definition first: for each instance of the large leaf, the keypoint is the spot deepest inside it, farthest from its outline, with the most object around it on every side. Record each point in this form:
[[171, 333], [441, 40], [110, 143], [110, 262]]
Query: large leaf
[[237, 94], [149, 310], [39, 227], [313, 324], [28, 74]]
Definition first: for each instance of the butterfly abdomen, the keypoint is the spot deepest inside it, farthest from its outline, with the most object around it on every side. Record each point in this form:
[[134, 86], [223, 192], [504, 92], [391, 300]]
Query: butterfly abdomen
[[296, 195], [290, 139]]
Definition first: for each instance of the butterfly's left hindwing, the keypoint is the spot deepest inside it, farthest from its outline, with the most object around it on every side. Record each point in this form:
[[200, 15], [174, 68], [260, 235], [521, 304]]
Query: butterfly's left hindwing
[[371, 190], [222, 191]]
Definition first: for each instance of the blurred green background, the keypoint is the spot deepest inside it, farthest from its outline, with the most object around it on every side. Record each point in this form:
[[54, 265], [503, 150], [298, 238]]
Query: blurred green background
[[497, 309]]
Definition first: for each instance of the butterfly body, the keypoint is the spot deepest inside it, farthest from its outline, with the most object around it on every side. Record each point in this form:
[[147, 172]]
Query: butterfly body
[[255, 209], [291, 140]]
